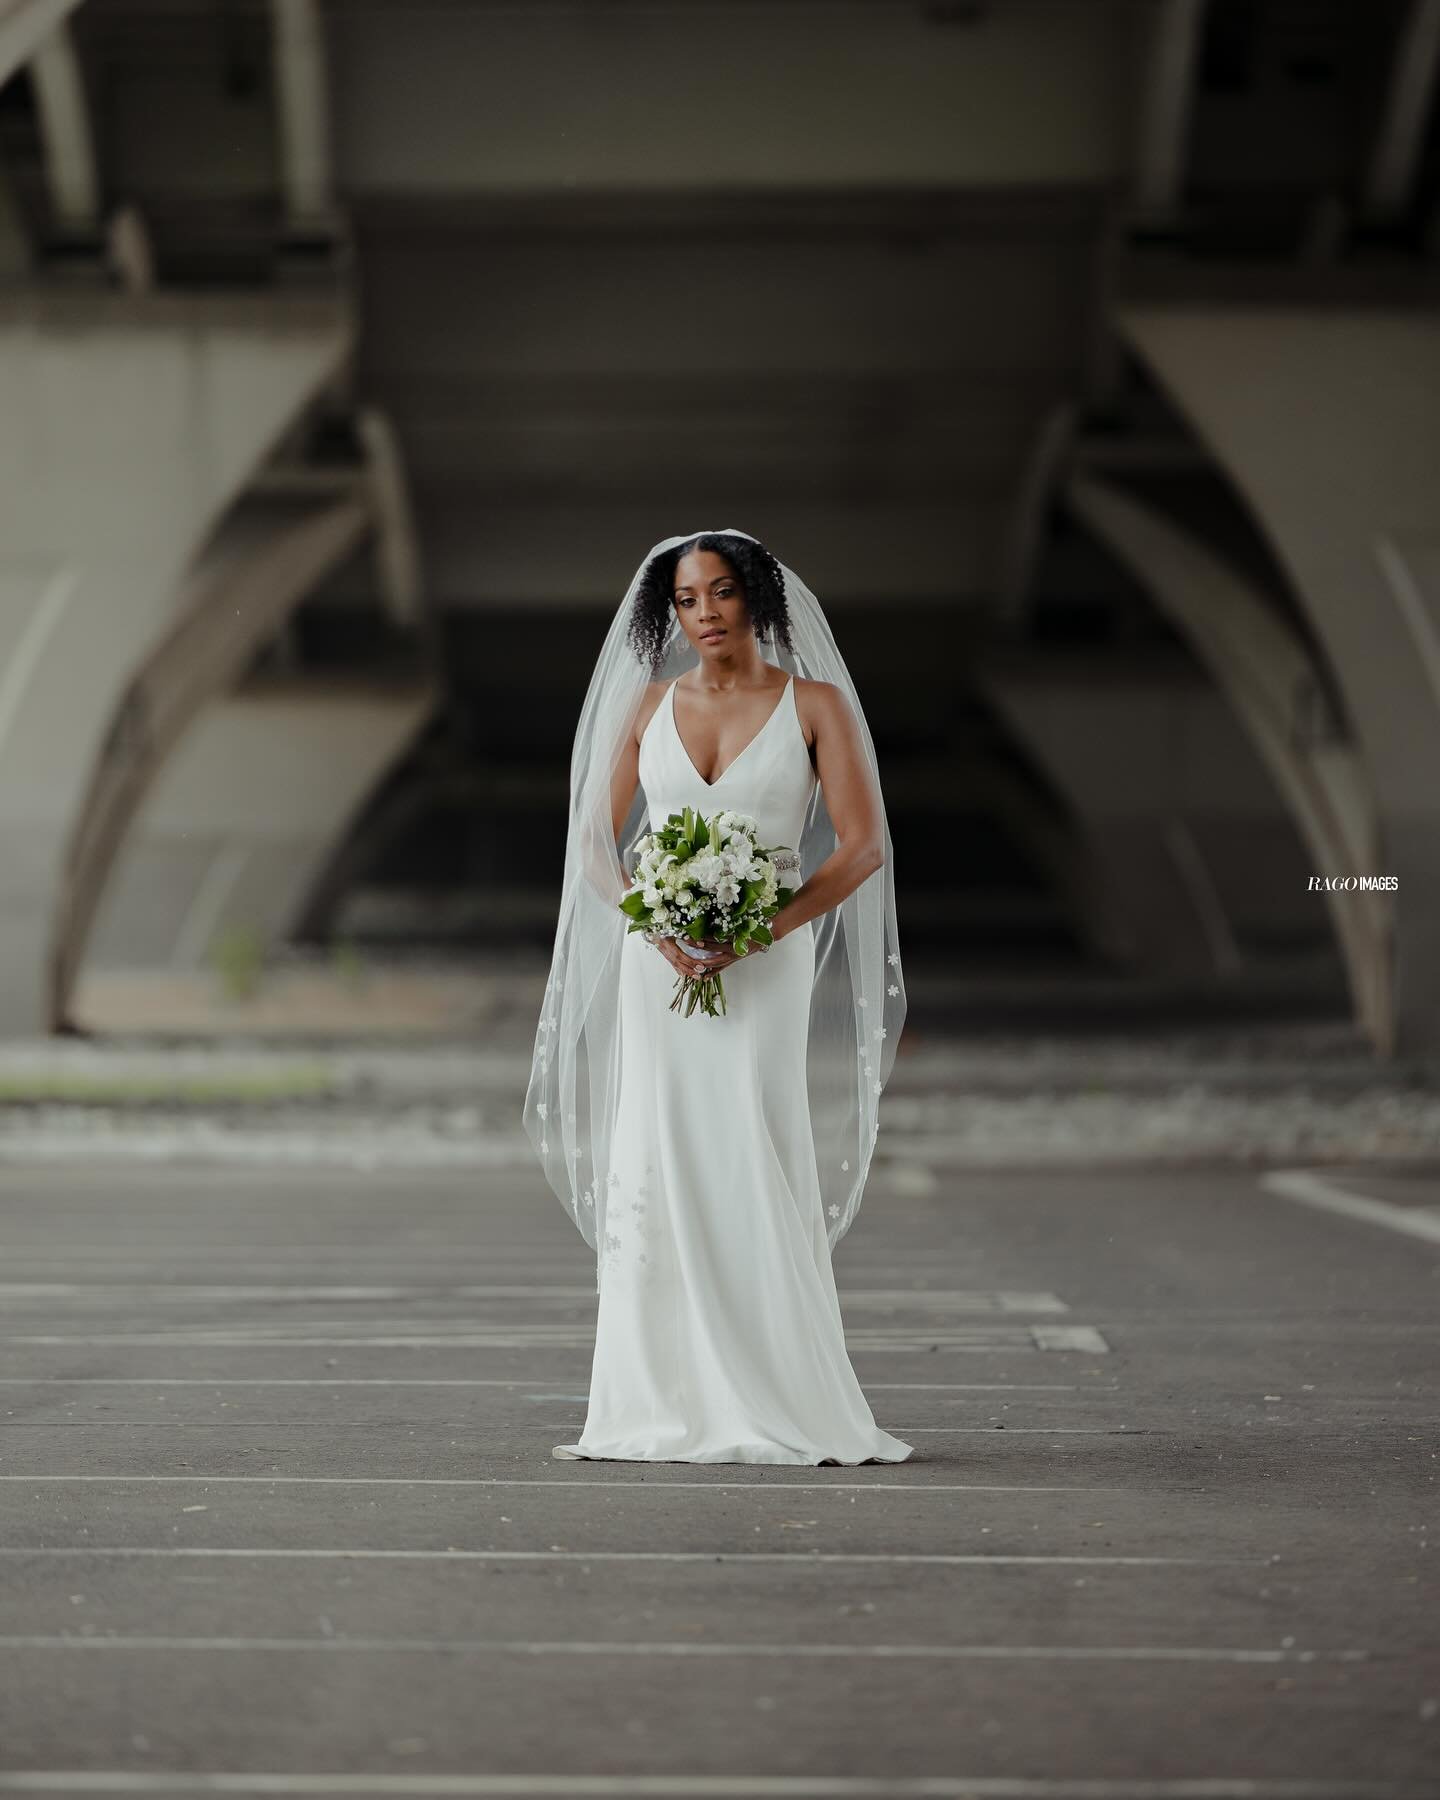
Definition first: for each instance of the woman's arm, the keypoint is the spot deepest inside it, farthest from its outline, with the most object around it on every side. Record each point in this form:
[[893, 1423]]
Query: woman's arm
[[622, 794], [853, 805], [625, 777]]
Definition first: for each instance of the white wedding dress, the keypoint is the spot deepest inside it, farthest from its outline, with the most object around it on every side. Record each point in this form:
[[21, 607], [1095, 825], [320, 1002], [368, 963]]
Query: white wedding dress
[[718, 1335]]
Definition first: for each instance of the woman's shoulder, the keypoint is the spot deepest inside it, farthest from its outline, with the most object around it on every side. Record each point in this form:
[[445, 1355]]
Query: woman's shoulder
[[817, 700], [652, 696]]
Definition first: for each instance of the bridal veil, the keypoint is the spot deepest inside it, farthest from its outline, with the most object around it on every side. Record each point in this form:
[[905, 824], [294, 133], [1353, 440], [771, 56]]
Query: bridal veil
[[857, 1005]]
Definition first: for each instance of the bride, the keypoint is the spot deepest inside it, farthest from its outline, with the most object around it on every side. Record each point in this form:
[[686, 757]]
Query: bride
[[713, 1163]]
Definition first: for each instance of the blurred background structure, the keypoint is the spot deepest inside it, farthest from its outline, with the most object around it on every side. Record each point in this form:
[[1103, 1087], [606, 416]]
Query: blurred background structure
[[349, 350], [1084, 356]]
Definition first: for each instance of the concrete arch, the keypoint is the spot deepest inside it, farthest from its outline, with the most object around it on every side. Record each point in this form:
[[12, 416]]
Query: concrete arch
[[1267, 675], [246, 810], [128, 427], [253, 572], [1059, 853], [359, 850], [1172, 805], [1328, 421]]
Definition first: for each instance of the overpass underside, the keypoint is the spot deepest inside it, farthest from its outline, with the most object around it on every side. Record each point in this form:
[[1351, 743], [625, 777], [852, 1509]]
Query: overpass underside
[[1085, 359]]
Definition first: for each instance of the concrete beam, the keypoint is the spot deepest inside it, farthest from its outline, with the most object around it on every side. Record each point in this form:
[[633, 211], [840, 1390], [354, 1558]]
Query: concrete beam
[[1035, 85]]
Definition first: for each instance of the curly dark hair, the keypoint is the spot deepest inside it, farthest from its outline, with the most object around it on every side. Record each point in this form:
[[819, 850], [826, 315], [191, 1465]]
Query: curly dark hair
[[758, 572]]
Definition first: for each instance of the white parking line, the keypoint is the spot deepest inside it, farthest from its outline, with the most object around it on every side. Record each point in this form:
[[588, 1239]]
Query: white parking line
[[1069, 1337], [241, 1290], [570, 1482], [1180, 1653], [955, 1300], [962, 1430], [687, 1786], [1313, 1189], [409, 1425], [1028, 1387], [944, 1558], [980, 1339], [504, 1381]]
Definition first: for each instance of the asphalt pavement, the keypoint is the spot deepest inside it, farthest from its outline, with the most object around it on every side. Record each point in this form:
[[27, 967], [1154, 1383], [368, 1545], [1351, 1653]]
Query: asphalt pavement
[[280, 1515]]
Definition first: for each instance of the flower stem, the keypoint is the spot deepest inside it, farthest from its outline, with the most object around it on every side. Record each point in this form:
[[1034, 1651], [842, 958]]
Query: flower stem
[[702, 991]]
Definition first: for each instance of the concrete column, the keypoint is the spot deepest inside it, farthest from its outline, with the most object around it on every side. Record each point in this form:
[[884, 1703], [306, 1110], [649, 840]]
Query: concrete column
[[24, 27]]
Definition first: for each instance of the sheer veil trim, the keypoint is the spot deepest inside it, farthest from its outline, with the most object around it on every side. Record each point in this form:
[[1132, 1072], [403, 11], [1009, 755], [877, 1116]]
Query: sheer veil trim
[[857, 1003]]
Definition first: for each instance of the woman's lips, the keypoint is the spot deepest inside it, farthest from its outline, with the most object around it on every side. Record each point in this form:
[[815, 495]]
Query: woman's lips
[[705, 636]]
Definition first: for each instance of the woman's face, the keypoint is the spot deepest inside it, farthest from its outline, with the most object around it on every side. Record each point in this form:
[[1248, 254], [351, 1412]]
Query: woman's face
[[710, 602]]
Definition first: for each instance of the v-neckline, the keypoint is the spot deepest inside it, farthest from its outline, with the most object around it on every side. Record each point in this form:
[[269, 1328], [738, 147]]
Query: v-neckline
[[747, 747]]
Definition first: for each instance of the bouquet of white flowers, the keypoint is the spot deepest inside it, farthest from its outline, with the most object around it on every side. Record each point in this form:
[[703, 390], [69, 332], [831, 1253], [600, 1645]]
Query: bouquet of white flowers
[[700, 878]]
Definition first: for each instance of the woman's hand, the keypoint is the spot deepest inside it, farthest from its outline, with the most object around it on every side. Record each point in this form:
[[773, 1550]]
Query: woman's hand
[[670, 949], [721, 958], [675, 953]]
